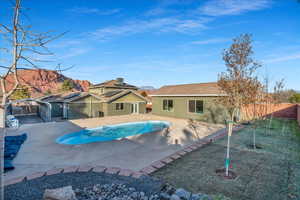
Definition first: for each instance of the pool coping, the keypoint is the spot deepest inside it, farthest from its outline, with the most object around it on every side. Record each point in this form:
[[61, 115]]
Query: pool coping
[[128, 172]]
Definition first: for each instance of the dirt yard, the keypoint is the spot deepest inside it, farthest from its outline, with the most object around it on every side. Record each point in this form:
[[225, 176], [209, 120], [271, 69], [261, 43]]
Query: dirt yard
[[270, 173]]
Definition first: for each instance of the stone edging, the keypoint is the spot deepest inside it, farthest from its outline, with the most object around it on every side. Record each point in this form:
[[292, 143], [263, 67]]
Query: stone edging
[[126, 172], [87, 168], [209, 139]]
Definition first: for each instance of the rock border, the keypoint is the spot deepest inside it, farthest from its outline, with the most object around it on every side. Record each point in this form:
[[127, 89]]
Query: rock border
[[127, 172], [70, 169], [190, 148]]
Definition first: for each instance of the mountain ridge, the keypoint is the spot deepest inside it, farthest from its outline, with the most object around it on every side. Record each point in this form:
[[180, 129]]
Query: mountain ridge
[[41, 82]]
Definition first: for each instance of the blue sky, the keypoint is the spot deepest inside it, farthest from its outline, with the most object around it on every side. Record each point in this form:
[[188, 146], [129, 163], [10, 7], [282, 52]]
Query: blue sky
[[161, 42]]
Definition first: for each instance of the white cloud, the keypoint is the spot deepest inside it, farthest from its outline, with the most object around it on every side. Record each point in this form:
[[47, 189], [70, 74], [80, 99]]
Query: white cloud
[[295, 56], [165, 7], [211, 41], [157, 11], [86, 10], [72, 52], [168, 24], [232, 7], [65, 43]]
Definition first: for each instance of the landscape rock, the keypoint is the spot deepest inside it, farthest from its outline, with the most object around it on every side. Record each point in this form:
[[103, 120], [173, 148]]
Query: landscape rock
[[168, 189], [195, 197], [122, 192], [164, 196], [206, 197], [183, 194], [64, 193], [175, 197]]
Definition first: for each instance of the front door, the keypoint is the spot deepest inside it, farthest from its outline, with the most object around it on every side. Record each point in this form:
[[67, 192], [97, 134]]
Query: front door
[[135, 108]]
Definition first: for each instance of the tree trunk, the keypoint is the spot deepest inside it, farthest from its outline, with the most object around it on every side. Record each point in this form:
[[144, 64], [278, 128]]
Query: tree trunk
[[227, 161], [270, 123], [254, 138]]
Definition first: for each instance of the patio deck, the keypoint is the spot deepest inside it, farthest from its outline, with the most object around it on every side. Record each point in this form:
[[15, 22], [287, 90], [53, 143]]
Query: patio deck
[[41, 153]]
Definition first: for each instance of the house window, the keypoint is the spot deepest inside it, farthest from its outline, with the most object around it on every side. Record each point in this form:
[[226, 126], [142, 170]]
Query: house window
[[195, 106], [168, 105], [119, 106]]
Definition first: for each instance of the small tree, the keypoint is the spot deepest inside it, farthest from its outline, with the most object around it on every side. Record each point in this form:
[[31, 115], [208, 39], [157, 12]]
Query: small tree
[[240, 69], [255, 103], [48, 92], [295, 98], [144, 94], [21, 93], [276, 98], [67, 85]]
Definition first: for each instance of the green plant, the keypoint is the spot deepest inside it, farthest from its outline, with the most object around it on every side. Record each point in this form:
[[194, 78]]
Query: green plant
[[20, 93], [48, 92], [295, 98], [67, 85]]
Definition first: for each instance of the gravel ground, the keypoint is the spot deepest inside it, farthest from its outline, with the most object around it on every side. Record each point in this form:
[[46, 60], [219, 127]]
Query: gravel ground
[[34, 189]]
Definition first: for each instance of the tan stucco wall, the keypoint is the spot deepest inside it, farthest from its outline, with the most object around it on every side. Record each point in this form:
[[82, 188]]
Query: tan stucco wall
[[130, 98], [211, 111], [96, 90], [111, 109], [91, 106], [85, 107], [142, 108]]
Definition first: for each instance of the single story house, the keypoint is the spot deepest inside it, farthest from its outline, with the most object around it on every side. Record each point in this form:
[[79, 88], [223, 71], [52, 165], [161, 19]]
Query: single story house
[[100, 101], [191, 101]]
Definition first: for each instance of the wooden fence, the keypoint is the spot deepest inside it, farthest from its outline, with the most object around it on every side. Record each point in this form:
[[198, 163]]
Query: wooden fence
[[283, 110]]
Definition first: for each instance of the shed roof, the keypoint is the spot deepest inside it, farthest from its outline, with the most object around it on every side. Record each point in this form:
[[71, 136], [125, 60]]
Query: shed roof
[[72, 96], [66, 97]]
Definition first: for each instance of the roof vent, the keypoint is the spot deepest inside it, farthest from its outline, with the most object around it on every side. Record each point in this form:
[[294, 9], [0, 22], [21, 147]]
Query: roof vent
[[120, 81]]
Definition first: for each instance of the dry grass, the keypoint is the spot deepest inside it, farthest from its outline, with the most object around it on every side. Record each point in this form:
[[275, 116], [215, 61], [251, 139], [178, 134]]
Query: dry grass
[[269, 173]]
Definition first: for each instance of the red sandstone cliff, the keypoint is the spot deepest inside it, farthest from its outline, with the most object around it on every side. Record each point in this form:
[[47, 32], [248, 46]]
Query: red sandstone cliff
[[40, 81]]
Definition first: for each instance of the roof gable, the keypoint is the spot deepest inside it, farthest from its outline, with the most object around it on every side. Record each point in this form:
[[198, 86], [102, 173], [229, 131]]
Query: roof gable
[[195, 89], [115, 84], [127, 96]]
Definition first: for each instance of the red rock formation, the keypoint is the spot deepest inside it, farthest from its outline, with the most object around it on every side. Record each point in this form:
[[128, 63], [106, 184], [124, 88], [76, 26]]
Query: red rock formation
[[41, 81]]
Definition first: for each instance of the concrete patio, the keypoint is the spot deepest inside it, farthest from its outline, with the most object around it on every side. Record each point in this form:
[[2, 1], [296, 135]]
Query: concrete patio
[[41, 153]]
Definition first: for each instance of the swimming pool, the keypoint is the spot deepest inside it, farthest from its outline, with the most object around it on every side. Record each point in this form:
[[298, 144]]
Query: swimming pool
[[112, 132]]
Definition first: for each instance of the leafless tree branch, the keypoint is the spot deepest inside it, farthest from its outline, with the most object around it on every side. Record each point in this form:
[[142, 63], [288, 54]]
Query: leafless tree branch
[[22, 42]]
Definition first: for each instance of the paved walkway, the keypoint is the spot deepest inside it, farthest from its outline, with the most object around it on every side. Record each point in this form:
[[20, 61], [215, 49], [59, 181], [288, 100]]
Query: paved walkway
[[41, 153]]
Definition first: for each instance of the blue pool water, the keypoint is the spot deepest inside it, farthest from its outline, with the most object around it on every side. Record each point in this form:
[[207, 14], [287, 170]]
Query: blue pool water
[[112, 132]]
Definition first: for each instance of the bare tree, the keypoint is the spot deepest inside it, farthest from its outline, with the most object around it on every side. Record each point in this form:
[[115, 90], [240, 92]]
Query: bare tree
[[276, 98], [24, 46], [240, 70], [256, 96]]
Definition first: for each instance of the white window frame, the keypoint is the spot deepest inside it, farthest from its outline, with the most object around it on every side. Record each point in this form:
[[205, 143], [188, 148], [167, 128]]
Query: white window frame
[[172, 110], [195, 100], [119, 107]]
